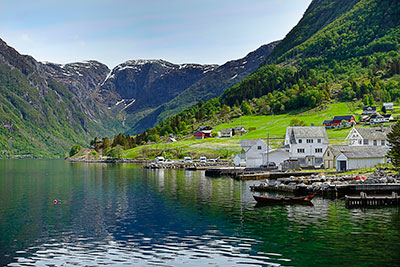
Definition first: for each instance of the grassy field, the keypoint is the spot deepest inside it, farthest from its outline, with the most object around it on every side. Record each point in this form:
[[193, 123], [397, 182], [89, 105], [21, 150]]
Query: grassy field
[[275, 125]]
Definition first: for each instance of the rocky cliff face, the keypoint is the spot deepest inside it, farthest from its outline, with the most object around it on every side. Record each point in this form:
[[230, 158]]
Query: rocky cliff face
[[82, 78], [150, 82], [213, 84]]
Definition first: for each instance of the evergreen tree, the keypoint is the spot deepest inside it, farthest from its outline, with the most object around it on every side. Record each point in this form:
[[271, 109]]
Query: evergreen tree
[[394, 140]]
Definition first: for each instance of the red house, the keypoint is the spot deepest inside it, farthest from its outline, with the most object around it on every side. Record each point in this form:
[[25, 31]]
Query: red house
[[337, 120], [203, 132]]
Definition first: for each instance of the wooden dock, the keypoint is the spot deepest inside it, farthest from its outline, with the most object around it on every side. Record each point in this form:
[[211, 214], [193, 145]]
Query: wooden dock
[[371, 201], [242, 173]]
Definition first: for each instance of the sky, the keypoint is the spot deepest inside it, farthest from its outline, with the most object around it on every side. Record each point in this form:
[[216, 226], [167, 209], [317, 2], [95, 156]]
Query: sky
[[114, 31]]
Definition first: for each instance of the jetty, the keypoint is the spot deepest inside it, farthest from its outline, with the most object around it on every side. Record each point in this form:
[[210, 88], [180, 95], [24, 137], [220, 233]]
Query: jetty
[[332, 187], [242, 173], [363, 200], [193, 166]]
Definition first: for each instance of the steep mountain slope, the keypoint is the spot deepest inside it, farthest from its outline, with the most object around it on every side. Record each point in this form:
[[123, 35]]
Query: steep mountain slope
[[361, 47], [211, 85], [319, 14], [44, 108]]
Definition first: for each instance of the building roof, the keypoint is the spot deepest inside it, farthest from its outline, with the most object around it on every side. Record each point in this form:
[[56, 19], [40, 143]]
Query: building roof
[[337, 149], [374, 116], [327, 122], [241, 156], [303, 132], [226, 131], [343, 118], [204, 128], [373, 133], [359, 152]]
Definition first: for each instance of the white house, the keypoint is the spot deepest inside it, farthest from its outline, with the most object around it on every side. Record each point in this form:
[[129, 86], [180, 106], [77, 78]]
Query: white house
[[388, 105], [360, 158], [369, 110], [369, 136], [307, 144], [226, 132], [277, 156], [254, 150]]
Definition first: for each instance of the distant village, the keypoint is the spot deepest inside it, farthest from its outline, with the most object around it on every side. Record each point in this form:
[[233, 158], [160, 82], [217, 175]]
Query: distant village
[[308, 146]]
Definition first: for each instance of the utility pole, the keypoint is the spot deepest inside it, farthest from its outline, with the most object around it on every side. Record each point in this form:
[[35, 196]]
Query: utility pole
[[267, 149]]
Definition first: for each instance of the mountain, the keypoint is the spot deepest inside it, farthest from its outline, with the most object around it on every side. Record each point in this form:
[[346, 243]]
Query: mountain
[[319, 14], [213, 84], [47, 107], [44, 107], [353, 56], [150, 82]]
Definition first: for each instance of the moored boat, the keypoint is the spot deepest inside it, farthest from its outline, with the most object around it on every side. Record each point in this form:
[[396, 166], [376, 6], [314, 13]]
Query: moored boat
[[302, 199]]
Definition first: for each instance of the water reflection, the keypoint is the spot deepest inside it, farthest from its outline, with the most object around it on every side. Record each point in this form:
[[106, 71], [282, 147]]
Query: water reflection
[[122, 214]]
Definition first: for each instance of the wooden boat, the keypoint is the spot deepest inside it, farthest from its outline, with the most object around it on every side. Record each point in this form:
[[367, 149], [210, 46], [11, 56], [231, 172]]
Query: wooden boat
[[302, 199]]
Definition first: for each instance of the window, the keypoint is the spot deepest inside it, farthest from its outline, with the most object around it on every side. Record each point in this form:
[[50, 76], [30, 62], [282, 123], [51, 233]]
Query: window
[[366, 143], [259, 147], [318, 150], [319, 140], [309, 141], [300, 141], [360, 142], [382, 142], [328, 155], [375, 143], [300, 150]]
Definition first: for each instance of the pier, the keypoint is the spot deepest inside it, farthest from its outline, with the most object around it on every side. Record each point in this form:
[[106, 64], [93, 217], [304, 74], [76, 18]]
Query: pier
[[370, 201]]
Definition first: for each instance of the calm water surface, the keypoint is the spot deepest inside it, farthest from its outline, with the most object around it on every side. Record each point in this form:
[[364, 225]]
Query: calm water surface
[[124, 215]]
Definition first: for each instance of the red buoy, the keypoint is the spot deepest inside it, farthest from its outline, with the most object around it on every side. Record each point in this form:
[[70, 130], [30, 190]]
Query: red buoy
[[55, 201]]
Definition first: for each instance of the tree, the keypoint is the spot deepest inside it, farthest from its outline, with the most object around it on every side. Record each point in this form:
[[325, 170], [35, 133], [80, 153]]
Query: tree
[[106, 143], [394, 140], [246, 108], [75, 149], [297, 122], [115, 152]]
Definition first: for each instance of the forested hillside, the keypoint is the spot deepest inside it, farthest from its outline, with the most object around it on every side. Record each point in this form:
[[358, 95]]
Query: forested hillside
[[44, 108]]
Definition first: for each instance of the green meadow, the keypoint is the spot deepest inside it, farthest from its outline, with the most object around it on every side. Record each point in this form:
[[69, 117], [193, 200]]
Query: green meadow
[[262, 125]]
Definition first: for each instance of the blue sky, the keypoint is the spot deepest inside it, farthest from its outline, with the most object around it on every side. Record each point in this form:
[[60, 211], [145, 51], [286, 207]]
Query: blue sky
[[202, 31]]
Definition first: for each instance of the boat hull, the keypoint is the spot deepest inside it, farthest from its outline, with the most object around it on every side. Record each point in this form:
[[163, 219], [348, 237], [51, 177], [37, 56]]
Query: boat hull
[[303, 199]]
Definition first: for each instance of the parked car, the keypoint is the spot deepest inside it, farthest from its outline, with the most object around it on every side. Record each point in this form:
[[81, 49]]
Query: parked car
[[160, 160], [203, 159], [270, 165], [187, 160]]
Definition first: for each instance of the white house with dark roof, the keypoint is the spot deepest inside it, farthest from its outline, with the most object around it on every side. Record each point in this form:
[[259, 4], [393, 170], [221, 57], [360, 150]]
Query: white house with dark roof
[[332, 153], [369, 110], [360, 157], [369, 136], [307, 144]]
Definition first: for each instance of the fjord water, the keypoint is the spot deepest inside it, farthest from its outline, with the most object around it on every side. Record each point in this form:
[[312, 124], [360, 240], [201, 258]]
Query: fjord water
[[121, 214]]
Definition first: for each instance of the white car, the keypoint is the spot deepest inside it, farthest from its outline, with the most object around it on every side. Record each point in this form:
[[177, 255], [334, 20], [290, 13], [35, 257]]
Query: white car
[[160, 160], [187, 160], [203, 159]]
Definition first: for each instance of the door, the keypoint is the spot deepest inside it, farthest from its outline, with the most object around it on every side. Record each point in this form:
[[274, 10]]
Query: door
[[342, 165]]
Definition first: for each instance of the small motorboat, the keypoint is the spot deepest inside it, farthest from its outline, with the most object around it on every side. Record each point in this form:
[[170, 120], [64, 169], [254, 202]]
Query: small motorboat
[[270, 200]]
